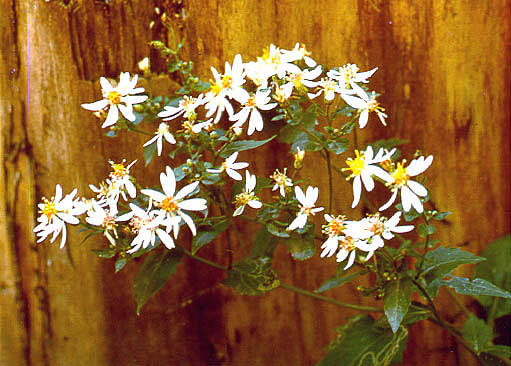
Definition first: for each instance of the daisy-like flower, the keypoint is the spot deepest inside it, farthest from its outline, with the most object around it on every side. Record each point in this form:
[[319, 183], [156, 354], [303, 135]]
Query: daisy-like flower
[[334, 229], [279, 62], [121, 180], [348, 247], [121, 98], [307, 206], [259, 72], [55, 213], [247, 197], [206, 125], [365, 104], [348, 74], [186, 107], [160, 134], [172, 205], [300, 53], [301, 80], [410, 190], [362, 170], [329, 87], [224, 86], [379, 228], [104, 217], [251, 104], [146, 226], [281, 181], [229, 166]]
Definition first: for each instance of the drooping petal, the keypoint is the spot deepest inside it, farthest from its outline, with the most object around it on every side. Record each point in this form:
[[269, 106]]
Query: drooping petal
[[112, 117], [95, 106], [367, 180], [417, 188], [364, 116], [357, 190], [127, 112], [165, 239], [351, 260], [189, 222], [389, 202]]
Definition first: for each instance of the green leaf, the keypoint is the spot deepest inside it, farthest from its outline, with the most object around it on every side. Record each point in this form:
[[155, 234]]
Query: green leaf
[[156, 270], [338, 281], [387, 143], [264, 244], [268, 213], [277, 230], [205, 237], [443, 260], [408, 215], [476, 332], [498, 350], [487, 359], [477, 286], [397, 301], [301, 247], [149, 153], [359, 342], [497, 270], [338, 147], [120, 263], [252, 276], [414, 315], [243, 145], [441, 215], [425, 230], [105, 253]]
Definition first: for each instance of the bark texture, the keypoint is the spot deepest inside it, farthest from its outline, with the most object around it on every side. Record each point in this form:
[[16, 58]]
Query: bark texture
[[445, 78]]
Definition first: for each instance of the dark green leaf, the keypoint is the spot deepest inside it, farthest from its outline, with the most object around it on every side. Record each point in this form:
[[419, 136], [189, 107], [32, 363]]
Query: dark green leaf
[[443, 260], [497, 270], [414, 315], [301, 247], [487, 359], [425, 230], [477, 286], [242, 145], [498, 350], [149, 153], [408, 215], [252, 276], [476, 332], [264, 244], [204, 237], [360, 343], [441, 215], [338, 281], [105, 253], [268, 213], [338, 147], [277, 230], [397, 301], [120, 263], [156, 270]]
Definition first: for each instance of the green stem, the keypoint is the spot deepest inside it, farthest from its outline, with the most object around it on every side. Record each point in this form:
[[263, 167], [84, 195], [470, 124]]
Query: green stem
[[204, 260], [330, 181], [304, 292], [142, 132]]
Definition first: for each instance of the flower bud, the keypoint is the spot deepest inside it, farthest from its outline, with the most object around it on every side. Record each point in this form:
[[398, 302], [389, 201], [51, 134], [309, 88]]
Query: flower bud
[[144, 65], [299, 155]]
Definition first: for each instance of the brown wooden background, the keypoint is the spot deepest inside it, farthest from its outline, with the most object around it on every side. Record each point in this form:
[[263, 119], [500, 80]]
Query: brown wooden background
[[445, 77]]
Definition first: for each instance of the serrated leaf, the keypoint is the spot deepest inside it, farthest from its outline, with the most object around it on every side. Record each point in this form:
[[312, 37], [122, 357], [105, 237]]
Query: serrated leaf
[[477, 332], [338, 281], [154, 273], [205, 237], [252, 276], [396, 301], [243, 145], [478, 286], [149, 153], [497, 270], [414, 315], [264, 244], [443, 260], [301, 247], [277, 230], [359, 342]]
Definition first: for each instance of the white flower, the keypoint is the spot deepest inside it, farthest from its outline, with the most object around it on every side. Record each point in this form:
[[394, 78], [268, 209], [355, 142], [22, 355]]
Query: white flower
[[334, 230], [259, 72], [308, 202], [104, 217], [299, 53], [329, 87], [113, 98], [365, 105], [279, 62], [362, 169], [410, 190], [251, 104], [121, 181], [230, 167], [186, 107], [206, 125], [147, 226], [171, 204], [281, 181], [301, 79], [247, 197], [55, 213], [348, 74], [349, 247], [160, 134]]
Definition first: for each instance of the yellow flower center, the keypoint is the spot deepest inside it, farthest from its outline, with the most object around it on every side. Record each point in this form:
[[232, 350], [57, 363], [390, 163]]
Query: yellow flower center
[[109, 222], [355, 165], [244, 198], [328, 84], [215, 89], [377, 225], [163, 128], [334, 227], [226, 81], [348, 243], [251, 102], [280, 178], [296, 79], [48, 209], [119, 171], [136, 223], [169, 204], [400, 175], [113, 97]]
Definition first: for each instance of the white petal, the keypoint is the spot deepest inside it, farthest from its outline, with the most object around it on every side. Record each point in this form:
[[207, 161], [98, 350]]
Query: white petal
[[168, 181], [233, 174], [351, 260], [299, 195], [364, 116], [389, 202], [354, 102], [417, 188], [165, 239], [96, 106], [367, 180], [189, 221], [193, 204], [255, 204], [186, 190], [112, 117], [357, 190], [155, 195], [127, 111]]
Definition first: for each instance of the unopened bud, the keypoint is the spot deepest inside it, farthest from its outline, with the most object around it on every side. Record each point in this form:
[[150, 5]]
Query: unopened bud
[[299, 155], [144, 65], [237, 130]]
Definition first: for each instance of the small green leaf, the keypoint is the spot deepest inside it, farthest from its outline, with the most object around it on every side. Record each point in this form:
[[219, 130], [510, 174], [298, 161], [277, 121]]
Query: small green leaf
[[338, 281], [360, 342], [477, 333], [252, 276], [105, 253], [243, 145], [277, 230], [268, 213], [339, 146], [149, 153], [414, 315], [408, 215], [154, 273], [301, 247], [264, 244], [425, 230], [397, 301], [120, 263], [441, 215], [205, 237], [477, 286]]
